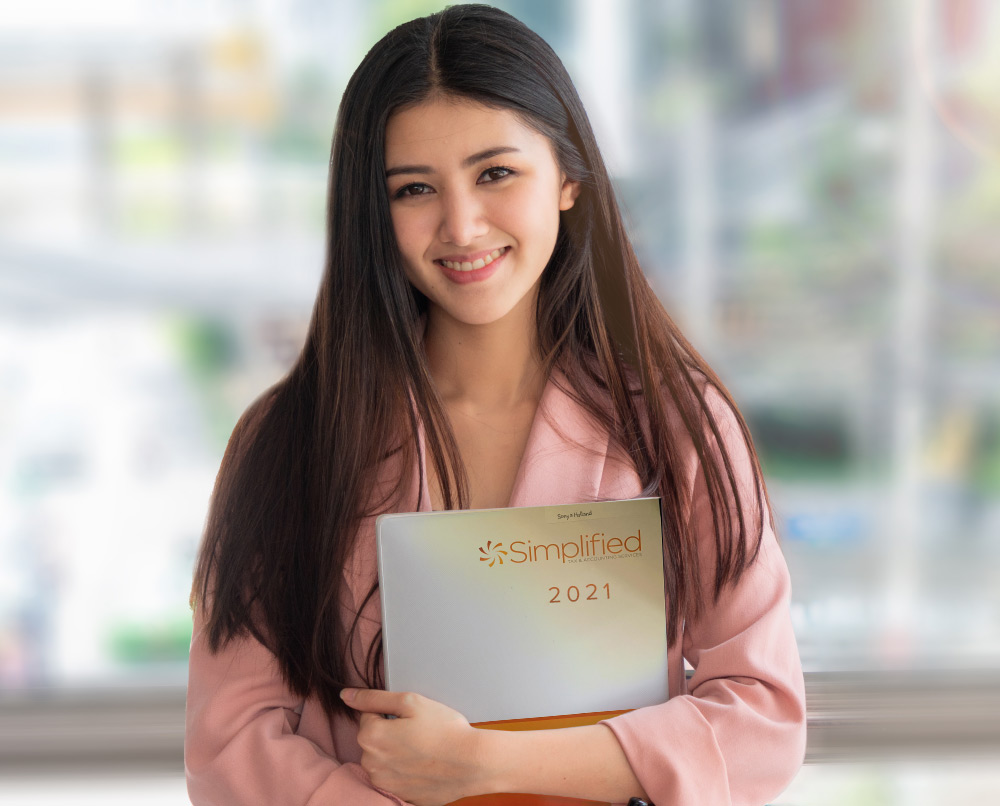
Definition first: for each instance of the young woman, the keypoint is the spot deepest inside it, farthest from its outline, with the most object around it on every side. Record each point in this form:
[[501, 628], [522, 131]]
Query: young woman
[[483, 337]]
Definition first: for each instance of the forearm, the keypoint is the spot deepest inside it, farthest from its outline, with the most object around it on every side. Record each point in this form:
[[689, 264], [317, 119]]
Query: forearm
[[430, 754], [241, 745], [583, 762]]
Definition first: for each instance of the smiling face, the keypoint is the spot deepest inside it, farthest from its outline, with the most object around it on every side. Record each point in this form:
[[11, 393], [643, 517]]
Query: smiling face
[[475, 197]]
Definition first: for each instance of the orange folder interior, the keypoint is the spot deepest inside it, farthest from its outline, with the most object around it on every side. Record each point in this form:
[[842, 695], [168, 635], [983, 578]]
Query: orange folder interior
[[538, 723]]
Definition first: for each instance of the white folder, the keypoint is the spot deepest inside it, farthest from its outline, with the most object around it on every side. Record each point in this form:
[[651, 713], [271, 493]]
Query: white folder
[[526, 612]]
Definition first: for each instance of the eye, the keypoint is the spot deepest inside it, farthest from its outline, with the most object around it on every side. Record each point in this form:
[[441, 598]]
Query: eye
[[412, 189], [494, 174]]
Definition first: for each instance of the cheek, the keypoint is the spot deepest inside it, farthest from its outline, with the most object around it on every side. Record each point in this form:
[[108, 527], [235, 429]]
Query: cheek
[[409, 228], [399, 229], [538, 214], [406, 230]]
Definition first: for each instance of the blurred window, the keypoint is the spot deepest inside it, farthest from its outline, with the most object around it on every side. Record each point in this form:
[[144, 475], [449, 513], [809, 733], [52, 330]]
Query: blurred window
[[812, 188]]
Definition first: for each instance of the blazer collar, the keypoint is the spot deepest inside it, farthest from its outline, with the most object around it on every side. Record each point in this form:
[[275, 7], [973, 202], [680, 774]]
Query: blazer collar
[[564, 456]]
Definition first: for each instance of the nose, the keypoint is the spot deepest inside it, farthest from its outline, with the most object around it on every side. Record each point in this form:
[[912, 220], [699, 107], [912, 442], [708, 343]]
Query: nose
[[463, 219]]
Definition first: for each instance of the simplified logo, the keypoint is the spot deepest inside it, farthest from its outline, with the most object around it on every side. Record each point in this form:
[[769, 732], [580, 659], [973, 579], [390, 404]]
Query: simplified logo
[[586, 548], [493, 553]]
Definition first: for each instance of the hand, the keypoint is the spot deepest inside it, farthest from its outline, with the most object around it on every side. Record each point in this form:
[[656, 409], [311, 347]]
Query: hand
[[429, 755]]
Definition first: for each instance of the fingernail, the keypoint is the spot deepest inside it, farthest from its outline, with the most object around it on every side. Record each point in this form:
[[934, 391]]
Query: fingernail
[[347, 694]]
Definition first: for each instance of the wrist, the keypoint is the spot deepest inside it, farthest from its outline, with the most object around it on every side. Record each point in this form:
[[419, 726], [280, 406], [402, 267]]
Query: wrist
[[488, 752]]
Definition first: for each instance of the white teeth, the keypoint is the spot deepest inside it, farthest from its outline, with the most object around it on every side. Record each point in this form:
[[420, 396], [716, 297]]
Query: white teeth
[[477, 264]]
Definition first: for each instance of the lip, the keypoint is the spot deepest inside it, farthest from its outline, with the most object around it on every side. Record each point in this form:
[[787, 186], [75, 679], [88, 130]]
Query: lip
[[472, 257], [473, 275]]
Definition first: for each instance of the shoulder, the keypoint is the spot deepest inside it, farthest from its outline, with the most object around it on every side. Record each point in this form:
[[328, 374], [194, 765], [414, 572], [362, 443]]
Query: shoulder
[[695, 413], [701, 441], [679, 424]]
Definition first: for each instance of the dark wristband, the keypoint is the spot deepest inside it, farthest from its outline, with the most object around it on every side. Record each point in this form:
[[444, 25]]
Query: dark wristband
[[638, 802]]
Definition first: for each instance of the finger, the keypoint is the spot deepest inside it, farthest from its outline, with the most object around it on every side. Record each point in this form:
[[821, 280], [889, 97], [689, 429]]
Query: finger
[[369, 721], [371, 730], [375, 701]]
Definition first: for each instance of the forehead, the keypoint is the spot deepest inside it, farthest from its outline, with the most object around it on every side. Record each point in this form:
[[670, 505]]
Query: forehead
[[444, 129]]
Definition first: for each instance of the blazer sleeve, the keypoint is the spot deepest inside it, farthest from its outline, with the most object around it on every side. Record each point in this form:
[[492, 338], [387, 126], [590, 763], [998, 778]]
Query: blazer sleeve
[[240, 745], [737, 736]]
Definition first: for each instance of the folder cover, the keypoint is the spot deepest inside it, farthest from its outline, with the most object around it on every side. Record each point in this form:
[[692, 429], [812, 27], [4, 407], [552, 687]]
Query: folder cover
[[526, 612]]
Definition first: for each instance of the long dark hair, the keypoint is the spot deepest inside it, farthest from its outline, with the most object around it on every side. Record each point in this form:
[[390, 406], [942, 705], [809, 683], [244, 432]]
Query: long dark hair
[[305, 462]]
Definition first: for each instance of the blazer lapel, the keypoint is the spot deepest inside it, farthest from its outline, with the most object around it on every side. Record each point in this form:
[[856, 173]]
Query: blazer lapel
[[564, 458], [565, 453]]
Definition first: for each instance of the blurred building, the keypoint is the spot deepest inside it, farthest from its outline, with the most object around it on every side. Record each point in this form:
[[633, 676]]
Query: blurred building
[[812, 187]]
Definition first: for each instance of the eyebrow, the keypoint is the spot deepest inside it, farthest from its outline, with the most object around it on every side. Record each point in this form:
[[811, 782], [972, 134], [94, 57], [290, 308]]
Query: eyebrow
[[468, 162]]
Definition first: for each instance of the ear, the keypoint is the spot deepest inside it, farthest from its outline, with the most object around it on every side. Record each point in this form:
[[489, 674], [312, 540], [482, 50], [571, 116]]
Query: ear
[[567, 195]]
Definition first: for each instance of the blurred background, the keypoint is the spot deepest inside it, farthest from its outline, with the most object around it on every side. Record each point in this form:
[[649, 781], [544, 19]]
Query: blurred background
[[811, 186]]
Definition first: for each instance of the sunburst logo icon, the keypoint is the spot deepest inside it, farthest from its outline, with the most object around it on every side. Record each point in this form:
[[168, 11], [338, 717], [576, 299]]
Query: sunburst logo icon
[[492, 554]]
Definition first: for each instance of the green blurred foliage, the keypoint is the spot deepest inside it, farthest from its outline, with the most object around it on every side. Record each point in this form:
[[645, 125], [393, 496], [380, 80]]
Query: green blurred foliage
[[209, 350], [135, 643]]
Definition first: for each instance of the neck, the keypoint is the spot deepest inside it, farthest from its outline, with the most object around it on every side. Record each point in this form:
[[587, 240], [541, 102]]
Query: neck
[[485, 367]]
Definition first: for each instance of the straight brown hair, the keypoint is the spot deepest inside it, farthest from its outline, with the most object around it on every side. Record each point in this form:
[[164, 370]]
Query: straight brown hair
[[305, 462]]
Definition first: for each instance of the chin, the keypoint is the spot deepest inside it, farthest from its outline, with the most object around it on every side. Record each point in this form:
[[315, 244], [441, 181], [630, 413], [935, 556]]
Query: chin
[[489, 311], [478, 319]]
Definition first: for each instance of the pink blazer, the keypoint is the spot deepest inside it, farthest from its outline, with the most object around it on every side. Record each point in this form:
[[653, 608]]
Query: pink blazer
[[732, 734]]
